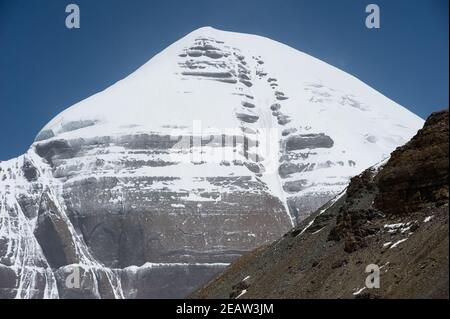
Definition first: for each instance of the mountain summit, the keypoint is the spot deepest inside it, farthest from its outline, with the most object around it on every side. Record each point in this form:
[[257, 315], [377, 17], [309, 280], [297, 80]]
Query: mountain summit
[[220, 143], [329, 126]]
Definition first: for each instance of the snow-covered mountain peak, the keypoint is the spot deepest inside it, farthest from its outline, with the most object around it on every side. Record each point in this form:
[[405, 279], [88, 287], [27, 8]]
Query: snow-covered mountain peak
[[308, 122], [217, 145], [206, 73]]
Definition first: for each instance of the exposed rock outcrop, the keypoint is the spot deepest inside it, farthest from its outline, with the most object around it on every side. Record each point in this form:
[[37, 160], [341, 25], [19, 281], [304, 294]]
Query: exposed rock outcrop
[[417, 174]]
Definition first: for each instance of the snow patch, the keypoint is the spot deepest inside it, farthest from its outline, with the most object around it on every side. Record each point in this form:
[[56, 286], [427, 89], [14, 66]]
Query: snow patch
[[398, 243], [358, 291], [428, 218]]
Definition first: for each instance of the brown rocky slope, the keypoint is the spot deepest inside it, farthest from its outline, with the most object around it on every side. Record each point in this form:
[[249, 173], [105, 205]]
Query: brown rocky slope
[[394, 215]]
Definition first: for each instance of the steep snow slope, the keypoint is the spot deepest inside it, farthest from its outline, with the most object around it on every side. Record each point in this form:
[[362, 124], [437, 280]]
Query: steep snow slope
[[217, 145]]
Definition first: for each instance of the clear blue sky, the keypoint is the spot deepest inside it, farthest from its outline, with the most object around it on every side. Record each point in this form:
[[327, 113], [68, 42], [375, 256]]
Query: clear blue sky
[[45, 68]]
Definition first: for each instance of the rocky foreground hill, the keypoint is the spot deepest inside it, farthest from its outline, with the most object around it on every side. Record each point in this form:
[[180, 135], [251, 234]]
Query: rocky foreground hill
[[394, 215]]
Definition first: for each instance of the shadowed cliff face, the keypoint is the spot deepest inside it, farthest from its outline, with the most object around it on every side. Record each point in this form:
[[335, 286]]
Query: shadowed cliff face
[[64, 209], [394, 215]]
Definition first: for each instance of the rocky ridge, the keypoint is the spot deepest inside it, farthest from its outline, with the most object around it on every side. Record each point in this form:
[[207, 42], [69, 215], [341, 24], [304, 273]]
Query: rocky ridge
[[394, 215]]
